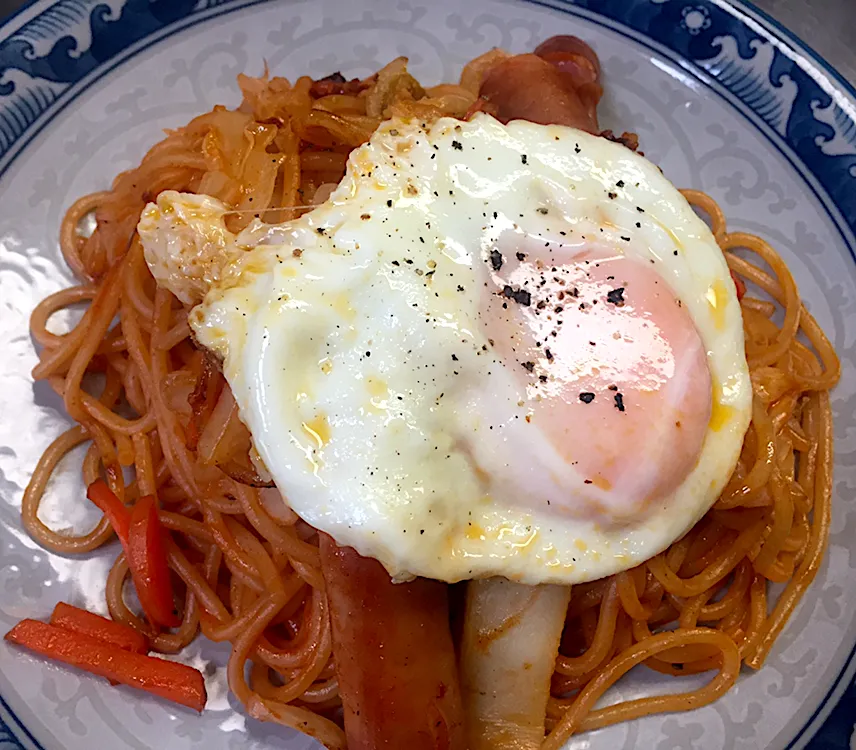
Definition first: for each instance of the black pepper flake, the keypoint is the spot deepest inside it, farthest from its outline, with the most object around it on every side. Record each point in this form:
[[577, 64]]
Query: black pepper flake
[[577, 148], [587, 481], [454, 358], [389, 203], [612, 195], [616, 296], [528, 366], [521, 256], [640, 209], [675, 252], [320, 230], [586, 397], [523, 158], [396, 263], [613, 387], [542, 378], [639, 225], [543, 211], [549, 354], [626, 239], [620, 183], [520, 296], [495, 259], [457, 145], [619, 402]]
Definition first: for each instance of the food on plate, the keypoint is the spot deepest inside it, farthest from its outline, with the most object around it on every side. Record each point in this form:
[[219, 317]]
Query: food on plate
[[377, 339], [79, 620], [166, 679], [524, 321], [412, 702]]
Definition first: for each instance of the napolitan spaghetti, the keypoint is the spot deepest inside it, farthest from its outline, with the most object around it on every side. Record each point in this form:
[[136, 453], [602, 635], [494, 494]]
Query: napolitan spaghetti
[[251, 570]]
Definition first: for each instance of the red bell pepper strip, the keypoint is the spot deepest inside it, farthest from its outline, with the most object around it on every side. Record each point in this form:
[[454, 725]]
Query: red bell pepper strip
[[112, 507], [740, 284], [144, 540], [147, 559]]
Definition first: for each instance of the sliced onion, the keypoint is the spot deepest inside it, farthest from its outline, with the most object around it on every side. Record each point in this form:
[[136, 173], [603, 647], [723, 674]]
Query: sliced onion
[[324, 191], [276, 506], [224, 435]]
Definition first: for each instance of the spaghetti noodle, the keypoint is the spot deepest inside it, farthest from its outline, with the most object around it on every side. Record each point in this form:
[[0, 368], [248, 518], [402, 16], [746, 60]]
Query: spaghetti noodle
[[250, 568]]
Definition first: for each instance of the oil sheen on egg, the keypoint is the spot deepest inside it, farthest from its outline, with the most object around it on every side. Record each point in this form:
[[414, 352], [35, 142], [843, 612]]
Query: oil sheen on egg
[[496, 350]]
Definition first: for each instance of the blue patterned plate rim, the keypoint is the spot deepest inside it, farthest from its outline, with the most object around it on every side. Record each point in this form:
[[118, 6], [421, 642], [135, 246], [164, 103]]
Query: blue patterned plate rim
[[798, 134]]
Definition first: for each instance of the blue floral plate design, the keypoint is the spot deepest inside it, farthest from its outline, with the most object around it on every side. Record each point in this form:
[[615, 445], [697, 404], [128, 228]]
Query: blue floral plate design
[[723, 99]]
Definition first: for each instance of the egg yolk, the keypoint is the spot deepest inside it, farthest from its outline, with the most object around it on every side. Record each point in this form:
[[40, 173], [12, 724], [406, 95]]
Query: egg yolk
[[614, 368]]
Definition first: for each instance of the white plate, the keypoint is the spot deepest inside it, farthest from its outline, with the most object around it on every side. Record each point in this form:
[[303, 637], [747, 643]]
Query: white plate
[[721, 100]]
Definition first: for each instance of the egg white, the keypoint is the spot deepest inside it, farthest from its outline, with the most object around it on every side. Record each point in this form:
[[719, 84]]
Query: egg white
[[351, 341]]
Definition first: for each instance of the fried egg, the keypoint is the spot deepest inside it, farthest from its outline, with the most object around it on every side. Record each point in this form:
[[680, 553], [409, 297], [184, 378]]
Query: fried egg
[[495, 350]]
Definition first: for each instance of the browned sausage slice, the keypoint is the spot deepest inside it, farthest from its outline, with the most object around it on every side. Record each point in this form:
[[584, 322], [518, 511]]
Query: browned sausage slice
[[527, 87], [579, 63], [559, 84], [394, 656], [573, 56]]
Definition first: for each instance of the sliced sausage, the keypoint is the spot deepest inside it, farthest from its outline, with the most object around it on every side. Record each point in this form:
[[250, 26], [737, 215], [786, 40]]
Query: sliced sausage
[[573, 56], [578, 62], [395, 660], [508, 655], [528, 87]]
